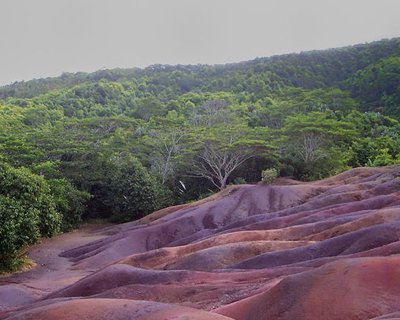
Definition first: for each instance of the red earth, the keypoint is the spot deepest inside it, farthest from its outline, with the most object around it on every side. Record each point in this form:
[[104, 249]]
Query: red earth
[[293, 250]]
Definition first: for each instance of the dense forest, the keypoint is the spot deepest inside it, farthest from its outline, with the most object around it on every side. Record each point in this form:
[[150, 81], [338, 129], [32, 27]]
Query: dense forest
[[121, 143]]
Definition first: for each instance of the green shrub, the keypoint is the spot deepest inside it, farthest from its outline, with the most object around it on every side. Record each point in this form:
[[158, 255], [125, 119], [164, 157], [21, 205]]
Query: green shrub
[[27, 211], [18, 227], [69, 201], [134, 192], [239, 180], [286, 170], [383, 158], [269, 175]]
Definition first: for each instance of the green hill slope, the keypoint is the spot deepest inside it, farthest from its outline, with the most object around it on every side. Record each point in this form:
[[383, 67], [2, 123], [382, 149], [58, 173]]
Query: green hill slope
[[140, 139]]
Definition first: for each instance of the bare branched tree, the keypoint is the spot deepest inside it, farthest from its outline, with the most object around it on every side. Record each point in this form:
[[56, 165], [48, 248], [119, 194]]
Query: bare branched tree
[[166, 148], [310, 147], [212, 113], [217, 164]]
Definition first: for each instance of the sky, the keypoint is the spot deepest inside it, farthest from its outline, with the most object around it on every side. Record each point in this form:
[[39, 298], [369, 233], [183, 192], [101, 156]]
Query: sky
[[42, 38]]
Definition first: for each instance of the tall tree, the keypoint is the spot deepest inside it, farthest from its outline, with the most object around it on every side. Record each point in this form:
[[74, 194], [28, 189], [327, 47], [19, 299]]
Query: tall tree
[[314, 137], [223, 150]]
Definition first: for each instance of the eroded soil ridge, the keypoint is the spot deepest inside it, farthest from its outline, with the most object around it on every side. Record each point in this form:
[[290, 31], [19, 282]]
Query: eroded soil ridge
[[322, 250]]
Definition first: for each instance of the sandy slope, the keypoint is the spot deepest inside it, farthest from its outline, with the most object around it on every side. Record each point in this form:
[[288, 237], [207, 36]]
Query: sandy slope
[[51, 272], [322, 250]]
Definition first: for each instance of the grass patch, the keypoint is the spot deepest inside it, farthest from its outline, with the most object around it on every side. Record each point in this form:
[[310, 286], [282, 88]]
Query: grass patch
[[21, 264]]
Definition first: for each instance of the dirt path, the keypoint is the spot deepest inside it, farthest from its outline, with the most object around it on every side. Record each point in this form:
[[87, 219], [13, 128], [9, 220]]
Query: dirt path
[[52, 272]]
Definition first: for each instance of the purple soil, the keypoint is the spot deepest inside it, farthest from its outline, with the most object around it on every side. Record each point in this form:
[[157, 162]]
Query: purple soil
[[320, 250], [391, 316], [349, 289], [121, 309], [51, 272]]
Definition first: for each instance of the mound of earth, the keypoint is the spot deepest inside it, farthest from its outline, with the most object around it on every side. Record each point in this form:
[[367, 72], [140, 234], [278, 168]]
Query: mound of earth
[[120, 309], [319, 250], [347, 289]]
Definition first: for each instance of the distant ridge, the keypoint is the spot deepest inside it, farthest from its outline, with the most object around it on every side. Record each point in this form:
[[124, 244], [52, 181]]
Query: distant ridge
[[310, 69]]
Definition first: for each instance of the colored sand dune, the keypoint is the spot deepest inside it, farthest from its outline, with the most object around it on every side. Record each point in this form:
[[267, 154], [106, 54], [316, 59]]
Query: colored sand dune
[[292, 250]]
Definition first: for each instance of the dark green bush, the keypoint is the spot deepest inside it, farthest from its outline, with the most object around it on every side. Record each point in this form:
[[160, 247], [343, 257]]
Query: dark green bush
[[18, 227], [69, 201], [135, 192], [27, 211]]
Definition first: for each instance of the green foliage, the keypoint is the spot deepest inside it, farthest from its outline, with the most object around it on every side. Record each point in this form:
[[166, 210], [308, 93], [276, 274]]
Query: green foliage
[[383, 158], [378, 135], [148, 107], [218, 152], [18, 227], [135, 192], [41, 116], [297, 96], [317, 144], [121, 143], [68, 201], [27, 211], [257, 78], [102, 99], [269, 175], [377, 86], [33, 192], [239, 180]]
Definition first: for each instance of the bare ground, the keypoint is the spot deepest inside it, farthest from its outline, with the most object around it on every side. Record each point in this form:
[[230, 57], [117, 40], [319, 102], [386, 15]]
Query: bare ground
[[51, 271], [321, 250]]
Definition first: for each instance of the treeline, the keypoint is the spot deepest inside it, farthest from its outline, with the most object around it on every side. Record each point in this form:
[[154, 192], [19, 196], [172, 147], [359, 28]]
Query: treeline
[[119, 144], [308, 70]]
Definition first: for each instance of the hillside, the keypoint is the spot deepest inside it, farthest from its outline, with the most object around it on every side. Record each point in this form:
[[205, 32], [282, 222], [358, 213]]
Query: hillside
[[292, 250], [120, 144], [308, 70]]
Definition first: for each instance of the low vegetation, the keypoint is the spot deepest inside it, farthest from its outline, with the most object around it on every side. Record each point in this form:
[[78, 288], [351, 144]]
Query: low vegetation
[[268, 176]]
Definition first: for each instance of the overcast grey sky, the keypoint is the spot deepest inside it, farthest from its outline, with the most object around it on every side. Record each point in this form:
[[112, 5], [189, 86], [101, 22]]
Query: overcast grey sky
[[41, 38]]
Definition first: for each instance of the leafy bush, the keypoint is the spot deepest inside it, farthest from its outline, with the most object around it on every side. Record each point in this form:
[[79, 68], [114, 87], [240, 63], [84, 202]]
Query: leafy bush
[[135, 192], [18, 227], [383, 158], [269, 175], [69, 201], [239, 180], [286, 170], [27, 211]]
